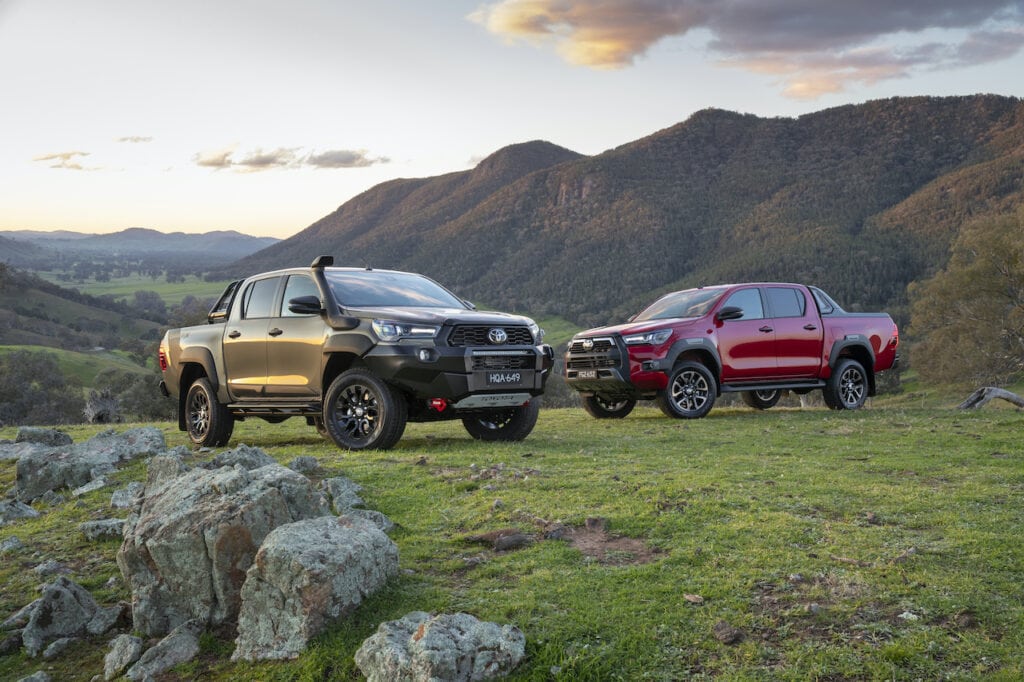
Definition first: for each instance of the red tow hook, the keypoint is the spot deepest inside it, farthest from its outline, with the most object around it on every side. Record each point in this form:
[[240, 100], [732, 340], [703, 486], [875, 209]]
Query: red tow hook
[[438, 404]]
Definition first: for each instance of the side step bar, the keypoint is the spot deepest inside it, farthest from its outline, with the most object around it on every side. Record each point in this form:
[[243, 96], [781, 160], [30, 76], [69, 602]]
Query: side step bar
[[275, 409], [774, 386]]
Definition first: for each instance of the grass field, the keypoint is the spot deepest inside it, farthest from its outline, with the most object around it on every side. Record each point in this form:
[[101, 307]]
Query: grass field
[[170, 292], [84, 365], [880, 544]]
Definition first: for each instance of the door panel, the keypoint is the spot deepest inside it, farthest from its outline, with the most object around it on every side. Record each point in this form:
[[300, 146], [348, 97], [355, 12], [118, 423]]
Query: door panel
[[295, 345], [798, 332], [746, 345], [245, 339]]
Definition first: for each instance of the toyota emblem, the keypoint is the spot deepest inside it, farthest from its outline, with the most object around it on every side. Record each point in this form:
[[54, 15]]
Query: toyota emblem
[[588, 344], [497, 336]]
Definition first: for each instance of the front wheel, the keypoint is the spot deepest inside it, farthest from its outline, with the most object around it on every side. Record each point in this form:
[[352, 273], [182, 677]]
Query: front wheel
[[847, 388], [362, 412], [208, 422], [761, 400], [690, 393], [512, 424], [607, 408]]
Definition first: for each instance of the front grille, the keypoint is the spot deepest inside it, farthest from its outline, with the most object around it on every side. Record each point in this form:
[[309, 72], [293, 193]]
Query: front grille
[[502, 362], [600, 346], [476, 335], [592, 363]]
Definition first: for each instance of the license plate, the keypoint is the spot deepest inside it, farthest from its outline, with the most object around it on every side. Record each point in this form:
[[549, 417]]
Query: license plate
[[586, 374], [504, 378]]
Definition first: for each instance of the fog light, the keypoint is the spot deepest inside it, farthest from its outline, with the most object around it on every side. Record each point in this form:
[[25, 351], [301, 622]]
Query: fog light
[[425, 355]]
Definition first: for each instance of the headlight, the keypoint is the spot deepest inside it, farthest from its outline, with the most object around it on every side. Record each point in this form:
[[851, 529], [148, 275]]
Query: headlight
[[655, 338], [389, 330], [538, 333]]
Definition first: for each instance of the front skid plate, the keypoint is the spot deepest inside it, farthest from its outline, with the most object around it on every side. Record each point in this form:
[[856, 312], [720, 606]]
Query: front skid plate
[[492, 400]]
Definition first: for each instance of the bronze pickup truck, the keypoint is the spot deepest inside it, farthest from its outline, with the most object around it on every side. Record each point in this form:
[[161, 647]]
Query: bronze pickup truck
[[357, 353]]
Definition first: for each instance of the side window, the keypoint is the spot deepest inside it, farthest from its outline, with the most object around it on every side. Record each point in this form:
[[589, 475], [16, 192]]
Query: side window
[[786, 302], [749, 300], [297, 285], [259, 298]]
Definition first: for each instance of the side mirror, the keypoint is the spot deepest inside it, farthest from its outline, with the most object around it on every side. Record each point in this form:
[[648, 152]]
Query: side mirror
[[305, 305], [730, 312]]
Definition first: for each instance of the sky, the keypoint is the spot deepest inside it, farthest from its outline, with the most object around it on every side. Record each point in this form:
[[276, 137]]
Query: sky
[[263, 117]]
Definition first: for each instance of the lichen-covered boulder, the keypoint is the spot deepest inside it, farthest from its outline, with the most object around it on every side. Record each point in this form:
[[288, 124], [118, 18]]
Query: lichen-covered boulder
[[186, 553], [451, 647], [65, 610], [306, 575]]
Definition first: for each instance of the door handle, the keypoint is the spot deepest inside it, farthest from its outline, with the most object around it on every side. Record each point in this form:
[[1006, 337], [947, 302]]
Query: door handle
[[765, 329], [276, 332], [810, 327], [234, 333]]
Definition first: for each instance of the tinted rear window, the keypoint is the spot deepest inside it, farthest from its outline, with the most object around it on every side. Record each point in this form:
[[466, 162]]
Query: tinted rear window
[[787, 302]]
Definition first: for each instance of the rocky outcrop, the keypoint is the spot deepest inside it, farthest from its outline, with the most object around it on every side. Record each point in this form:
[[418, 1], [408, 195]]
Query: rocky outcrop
[[42, 436], [451, 647], [49, 468], [344, 493], [64, 610], [186, 555], [306, 575]]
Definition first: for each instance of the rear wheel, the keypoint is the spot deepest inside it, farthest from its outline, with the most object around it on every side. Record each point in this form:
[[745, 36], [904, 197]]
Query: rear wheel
[[208, 422], [690, 393], [607, 408], [362, 412], [761, 400], [512, 424], [847, 388]]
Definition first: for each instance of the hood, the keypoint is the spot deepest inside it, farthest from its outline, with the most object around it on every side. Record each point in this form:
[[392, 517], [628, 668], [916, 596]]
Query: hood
[[638, 327], [440, 316]]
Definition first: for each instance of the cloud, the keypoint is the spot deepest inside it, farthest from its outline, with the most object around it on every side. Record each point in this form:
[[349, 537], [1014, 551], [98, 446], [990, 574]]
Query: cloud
[[260, 160], [343, 158], [813, 46], [134, 139], [66, 160]]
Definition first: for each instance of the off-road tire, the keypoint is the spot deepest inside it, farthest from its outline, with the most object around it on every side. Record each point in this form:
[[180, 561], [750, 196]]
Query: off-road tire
[[513, 424], [362, 412], [847, 388], [690, 393], [604, 408], [207, 422], [761, 400]]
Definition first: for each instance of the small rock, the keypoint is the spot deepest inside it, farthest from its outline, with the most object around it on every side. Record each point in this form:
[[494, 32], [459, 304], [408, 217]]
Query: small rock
[[12, 511], [726, 633], [450, 647], [105, 528], [20, 618], [304, 464], [33, 434], [40, 676], [128, 496], [49, 567], [909, 616], [497, 504], [796, 578], [180, 646], [10, 544], [58, 647], [344, 493], [106, 618], [52, 498], [245, 456], [813, 608], [375, 517], [506, 543], [10, 643], [557, 532], [124, 650], [94, 484]]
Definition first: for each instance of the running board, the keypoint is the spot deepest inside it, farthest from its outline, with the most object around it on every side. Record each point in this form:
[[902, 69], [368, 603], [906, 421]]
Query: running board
[[774, 386], [271, 409]]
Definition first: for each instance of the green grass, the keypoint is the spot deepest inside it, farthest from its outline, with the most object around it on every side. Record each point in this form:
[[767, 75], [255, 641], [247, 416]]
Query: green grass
[[880, 544], [170, 292], [83, 365]]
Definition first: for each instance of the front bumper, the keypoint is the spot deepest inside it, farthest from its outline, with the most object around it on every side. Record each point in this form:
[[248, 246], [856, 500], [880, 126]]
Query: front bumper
[[605, 368], [457, 373]]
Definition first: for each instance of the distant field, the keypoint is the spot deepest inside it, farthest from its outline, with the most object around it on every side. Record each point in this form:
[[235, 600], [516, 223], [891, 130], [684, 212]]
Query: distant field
[[83, 366], [172, 293], [882, 544]]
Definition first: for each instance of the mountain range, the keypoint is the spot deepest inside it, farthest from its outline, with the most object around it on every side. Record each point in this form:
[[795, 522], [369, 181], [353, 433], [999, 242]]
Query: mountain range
[[860, 200]]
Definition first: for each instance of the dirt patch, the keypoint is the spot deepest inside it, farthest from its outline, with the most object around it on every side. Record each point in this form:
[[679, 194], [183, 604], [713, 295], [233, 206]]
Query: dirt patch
[[594, 541]]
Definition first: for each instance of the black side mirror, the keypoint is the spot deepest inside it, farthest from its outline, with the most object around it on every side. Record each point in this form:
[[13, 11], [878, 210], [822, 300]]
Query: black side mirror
[[305, 305], [729, 312]]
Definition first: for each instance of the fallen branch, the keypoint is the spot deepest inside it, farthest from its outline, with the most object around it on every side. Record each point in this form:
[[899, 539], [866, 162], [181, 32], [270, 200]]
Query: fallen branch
[[983, 395]]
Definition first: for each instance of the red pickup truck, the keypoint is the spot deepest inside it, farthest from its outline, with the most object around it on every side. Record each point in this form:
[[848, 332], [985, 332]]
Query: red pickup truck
[[689, 347]]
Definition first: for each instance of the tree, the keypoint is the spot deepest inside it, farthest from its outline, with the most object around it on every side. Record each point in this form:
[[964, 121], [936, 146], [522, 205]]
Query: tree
[[970, 316], [34, 391]]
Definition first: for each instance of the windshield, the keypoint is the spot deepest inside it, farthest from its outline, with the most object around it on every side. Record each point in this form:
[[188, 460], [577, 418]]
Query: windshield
[[371, 289], [689, 303]]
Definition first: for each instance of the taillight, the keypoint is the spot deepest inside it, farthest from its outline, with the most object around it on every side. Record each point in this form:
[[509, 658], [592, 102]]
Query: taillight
[[162, 356], [895, 340]]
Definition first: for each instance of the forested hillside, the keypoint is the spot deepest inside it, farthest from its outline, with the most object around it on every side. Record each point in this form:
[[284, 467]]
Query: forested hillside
[[860, 199]]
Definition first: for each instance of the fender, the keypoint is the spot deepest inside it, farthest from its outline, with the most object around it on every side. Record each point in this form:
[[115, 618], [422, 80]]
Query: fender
[[686, 345], [202, 356], [858, 341], [356, 344]]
